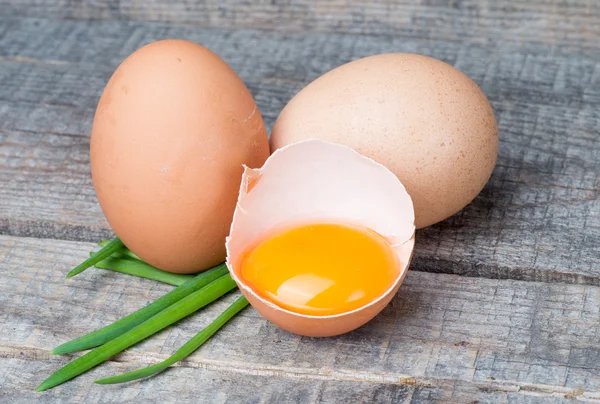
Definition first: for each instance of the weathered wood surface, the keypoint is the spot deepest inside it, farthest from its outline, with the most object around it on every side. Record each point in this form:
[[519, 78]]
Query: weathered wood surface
[[572, 22], [193, 384], [443, 338], [538, 219]]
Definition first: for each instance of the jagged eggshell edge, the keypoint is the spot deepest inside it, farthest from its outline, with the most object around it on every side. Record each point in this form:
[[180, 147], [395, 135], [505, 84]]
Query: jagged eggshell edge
[[315, 181]]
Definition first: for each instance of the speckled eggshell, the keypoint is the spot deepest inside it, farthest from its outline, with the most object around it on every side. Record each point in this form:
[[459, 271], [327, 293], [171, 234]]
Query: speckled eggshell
[[425, 120], [172, 131]]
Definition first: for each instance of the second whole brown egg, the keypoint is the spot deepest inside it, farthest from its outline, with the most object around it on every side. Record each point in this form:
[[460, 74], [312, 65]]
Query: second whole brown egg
[[425, 120]]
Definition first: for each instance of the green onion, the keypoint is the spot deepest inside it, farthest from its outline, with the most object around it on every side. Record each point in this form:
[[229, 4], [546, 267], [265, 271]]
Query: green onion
[[117, 328], [123, 263], [168, 316], [187, 349], [125, 251], [113, 246]]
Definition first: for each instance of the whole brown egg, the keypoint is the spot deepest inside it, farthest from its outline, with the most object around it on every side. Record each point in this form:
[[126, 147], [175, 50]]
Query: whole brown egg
[[423, 119], [172, 131]]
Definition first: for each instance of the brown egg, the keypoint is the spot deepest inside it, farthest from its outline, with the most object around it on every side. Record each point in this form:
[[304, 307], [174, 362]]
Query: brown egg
[[423, 119], [172, 130]]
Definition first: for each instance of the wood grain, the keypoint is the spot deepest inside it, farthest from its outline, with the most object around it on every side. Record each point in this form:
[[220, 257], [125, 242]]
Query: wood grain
[[572, 23], [538, 219], [443, 337], [190, 384]]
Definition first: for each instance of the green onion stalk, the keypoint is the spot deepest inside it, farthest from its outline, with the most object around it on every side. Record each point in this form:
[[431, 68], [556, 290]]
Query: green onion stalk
[[192, 294]]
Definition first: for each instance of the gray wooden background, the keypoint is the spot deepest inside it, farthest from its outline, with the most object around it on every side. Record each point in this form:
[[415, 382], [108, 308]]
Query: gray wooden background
[[502, 303]]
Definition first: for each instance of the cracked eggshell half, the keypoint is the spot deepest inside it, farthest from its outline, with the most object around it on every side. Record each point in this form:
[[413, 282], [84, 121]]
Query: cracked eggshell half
[[314, 181]]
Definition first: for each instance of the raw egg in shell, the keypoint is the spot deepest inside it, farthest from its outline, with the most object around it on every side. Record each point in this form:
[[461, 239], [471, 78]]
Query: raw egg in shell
[[321, 238]]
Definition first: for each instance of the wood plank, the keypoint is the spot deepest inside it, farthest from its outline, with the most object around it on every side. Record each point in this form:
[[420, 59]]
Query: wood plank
[[573, 23], [190, 384], [443, 337], [194, 385], [538, 219]]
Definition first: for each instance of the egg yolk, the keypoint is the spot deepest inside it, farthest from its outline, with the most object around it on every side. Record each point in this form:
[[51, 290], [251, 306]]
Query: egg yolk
[[321, 269]]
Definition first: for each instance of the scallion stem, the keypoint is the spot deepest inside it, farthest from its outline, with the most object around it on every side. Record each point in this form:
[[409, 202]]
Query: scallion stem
[[123, 263], [125, 251], [166, 317], [113, 246], [119, 327], [187, 349]]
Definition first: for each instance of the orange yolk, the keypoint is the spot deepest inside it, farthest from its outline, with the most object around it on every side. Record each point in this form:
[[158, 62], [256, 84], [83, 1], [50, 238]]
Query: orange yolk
[[321, 269]]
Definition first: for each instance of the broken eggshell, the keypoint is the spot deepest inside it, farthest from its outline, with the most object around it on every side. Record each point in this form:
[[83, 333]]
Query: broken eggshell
[[314, 181]]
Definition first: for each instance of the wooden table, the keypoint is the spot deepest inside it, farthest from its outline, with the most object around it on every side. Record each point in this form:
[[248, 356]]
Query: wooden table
[[502, 303]]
